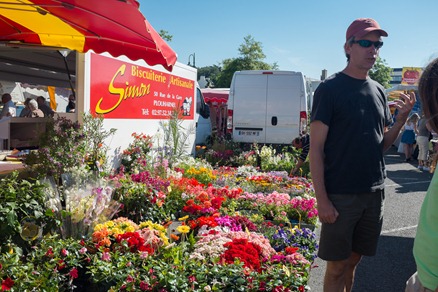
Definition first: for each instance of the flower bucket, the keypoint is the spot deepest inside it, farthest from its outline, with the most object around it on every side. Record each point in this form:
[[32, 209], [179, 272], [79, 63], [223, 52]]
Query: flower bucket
[[302, 225]]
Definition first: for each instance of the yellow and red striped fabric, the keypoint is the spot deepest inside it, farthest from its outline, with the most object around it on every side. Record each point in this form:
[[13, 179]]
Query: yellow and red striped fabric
[[114, 26]]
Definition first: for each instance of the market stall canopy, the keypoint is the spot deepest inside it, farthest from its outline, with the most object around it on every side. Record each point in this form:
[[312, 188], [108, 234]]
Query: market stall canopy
[[401, 87], [394, 92], [113, 26], [215, 95]]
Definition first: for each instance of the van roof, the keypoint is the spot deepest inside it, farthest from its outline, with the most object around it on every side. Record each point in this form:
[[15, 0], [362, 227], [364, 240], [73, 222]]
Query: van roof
[[257, 72]]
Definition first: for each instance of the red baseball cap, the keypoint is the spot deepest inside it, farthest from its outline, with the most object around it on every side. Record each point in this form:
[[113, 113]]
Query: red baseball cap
[[362, 26]]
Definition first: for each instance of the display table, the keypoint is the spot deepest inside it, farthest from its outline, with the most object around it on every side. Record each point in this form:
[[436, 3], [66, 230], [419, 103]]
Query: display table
[[21, 133], [6, 167]]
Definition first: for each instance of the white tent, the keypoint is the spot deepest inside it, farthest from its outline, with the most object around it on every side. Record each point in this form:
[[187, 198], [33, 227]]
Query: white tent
[[21, 91]]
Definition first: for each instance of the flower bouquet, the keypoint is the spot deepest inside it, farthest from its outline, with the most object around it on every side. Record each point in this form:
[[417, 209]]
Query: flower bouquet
[[82, 205]]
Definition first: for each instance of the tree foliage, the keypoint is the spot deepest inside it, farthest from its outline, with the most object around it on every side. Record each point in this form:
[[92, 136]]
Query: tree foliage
[[381, 72], [251, 58], [164, 34], [210, 73]]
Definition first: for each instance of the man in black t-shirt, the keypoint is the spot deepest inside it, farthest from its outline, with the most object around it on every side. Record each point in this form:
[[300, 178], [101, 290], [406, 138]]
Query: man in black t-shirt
[[349, 133]]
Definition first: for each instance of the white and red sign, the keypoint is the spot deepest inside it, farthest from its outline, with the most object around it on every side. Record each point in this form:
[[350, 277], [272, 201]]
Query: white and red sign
[[122, 90], [411, 75]]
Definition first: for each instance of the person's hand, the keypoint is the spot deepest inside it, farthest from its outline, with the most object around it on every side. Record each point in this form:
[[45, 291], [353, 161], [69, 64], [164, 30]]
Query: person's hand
[[404, 105], [327, 213]]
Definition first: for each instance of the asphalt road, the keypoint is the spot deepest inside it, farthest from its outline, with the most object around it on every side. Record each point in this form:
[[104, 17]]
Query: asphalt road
[[388, 271]]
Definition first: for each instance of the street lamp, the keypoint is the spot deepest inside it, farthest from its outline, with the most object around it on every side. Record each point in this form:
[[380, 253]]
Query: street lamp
[[194, 64]]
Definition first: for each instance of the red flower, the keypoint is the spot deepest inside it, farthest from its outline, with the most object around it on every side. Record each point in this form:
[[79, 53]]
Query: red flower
[[280, 289], [192, 278], [208, 221], [60, 265], [247, 252], [134, 240], [7, 284], [291, 250], [74, 273], [49, 253], [217, 202], [147, 248], [192, 224]]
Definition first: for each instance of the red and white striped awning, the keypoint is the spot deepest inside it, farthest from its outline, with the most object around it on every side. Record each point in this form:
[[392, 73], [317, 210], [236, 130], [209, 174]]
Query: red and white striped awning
[[215, 95], [114, 26]]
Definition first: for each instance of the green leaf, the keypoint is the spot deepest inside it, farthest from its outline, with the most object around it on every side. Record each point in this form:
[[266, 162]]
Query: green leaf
[[12, 218]]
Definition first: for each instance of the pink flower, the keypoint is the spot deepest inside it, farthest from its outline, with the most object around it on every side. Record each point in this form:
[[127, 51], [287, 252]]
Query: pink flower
[[106, 256], [144, 286]]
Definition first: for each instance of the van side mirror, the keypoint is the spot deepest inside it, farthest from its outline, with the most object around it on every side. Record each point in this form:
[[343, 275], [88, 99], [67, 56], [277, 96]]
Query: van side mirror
[[205, 111]]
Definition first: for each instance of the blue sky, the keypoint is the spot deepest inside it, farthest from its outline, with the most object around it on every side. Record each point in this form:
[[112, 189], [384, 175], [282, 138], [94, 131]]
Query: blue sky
[[299, 35]]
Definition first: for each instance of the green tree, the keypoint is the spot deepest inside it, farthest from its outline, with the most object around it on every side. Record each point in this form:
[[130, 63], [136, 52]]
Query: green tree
[[210, 72], [381, 72], [251, 58], [164, 34]]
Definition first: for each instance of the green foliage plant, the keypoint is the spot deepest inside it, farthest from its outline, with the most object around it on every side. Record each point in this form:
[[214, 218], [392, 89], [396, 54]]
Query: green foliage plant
[[95, 136], [61, 147], [65, 144], [20, 199], [173, 142], [54, 264], [138, 153]]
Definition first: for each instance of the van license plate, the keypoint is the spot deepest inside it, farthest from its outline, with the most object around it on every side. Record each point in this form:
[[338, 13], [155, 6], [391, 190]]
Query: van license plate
[[249, 133]]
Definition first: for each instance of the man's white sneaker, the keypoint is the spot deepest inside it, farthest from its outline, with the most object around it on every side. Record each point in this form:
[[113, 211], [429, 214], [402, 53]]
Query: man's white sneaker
[[426, 168], [420, 167]]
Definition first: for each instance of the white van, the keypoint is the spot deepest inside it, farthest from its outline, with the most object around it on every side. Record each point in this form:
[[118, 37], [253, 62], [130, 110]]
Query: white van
[[267, 107]]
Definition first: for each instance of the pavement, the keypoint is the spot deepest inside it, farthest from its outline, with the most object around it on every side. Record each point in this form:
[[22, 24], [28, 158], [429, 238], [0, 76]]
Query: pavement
[[393, 264]]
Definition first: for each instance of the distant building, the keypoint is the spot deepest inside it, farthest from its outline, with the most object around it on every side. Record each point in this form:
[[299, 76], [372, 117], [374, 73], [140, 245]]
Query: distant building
[[396, 76]]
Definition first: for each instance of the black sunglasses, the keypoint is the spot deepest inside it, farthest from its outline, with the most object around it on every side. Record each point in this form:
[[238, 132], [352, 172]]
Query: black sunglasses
[[367, 43]]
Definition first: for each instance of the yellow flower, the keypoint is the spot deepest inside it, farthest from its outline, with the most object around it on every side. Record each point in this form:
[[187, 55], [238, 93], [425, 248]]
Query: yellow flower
[[183, 229], [117, 230], [184, 218], [164, 238], [98, 227], [152, 225], [130, 229]]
